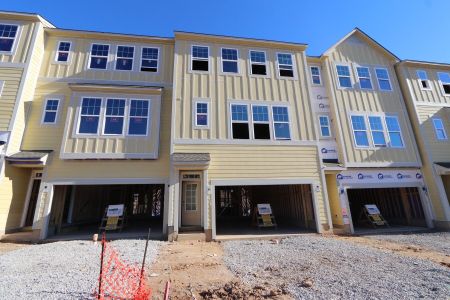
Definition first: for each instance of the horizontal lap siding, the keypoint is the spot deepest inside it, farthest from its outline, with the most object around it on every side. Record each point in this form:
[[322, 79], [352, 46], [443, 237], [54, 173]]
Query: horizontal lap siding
[[262, 162], [11, 78], [374, 101]]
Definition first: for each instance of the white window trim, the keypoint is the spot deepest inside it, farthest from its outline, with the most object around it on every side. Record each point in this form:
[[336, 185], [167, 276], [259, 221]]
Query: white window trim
[[349, 76], [125, 117], [204, 59], [436, 129], [237, 61], [359, 78], [132, 58], [311, 75], [68, 53], [329, 127], [366, 130], [249, 122], [383, 131], [147, 131], [157, 60], [44, 110], [100, 121], [441, 84], [420, 80], [258, 63], [389, 136], [208, 114], [16, 38], [378, 79], [269, 121], [294, 69], [2, 86], [289, 123], [91, 56]]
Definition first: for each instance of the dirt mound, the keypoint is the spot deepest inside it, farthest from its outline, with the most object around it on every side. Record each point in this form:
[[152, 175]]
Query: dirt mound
[[236, 290]]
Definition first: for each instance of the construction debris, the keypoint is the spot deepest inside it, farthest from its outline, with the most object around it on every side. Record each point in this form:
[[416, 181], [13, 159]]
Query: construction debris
[[236, 290]]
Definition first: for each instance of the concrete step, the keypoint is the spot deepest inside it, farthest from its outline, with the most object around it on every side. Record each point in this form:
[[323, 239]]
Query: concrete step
[[191, 236]]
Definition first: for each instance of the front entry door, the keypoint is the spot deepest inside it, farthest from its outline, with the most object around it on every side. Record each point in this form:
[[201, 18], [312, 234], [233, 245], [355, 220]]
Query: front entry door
[[191, 204], [32, 202]]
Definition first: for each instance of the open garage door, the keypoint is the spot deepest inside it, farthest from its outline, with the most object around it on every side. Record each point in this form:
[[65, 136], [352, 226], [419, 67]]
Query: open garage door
[[79, 209], [399, 206], [292, 207]]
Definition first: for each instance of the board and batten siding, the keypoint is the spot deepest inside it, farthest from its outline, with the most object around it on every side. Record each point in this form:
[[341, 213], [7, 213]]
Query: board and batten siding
[[262, 162], [221, 88], [432, 96], [23, 44], [440, 149], [352, 52], [77, 67]]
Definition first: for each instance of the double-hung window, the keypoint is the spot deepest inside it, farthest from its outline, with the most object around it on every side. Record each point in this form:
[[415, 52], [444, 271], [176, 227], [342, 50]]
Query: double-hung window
[[8, 35], [230, 60], [201, 114], [139, 117], [285, 65], [239, 121], [324, 122], [343, 73], [377, 130], [360, 131], [384, 82], [439, 129], [423, 79], [200, 58], [89, 115], [315, 75], [99, 56], [444, 79], [364, 78], [280, 118], [261, 124], [394, 132], [124, 58], [114, 116], [149, 62], [258, 64], [62, 54], [50, 111]]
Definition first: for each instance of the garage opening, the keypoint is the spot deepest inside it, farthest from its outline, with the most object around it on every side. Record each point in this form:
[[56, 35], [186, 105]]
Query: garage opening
[[399, 206], [78, 210], [292, 207]]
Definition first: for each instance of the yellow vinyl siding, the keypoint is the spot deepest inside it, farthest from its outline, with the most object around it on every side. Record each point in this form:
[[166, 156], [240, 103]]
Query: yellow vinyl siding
[[221, 88], [432, 96], [13, 190], [12, 78], [440, 149], [27, 96], [23, 44], [355, 51], [77, 67], [262, 162]]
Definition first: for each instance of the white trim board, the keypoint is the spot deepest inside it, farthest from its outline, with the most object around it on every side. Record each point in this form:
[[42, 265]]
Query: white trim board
[[107, 181]]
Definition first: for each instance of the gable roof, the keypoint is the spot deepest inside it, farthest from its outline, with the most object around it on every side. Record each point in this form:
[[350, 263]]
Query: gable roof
[[367, 38]]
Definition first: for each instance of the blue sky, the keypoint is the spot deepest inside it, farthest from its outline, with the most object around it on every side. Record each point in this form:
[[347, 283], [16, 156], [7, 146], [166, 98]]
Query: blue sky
[[411, 29]]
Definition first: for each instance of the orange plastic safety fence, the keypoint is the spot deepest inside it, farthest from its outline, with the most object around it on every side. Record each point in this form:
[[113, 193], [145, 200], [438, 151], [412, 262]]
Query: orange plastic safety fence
[[120, 280]]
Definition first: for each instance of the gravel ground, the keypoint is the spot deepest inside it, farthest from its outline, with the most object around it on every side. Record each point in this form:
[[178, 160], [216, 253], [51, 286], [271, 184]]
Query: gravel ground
[[61, 270], [336, 269], [438, 241]]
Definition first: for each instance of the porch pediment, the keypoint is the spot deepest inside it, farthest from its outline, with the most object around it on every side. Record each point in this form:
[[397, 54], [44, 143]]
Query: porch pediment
[[28, 159], [190, 160]]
